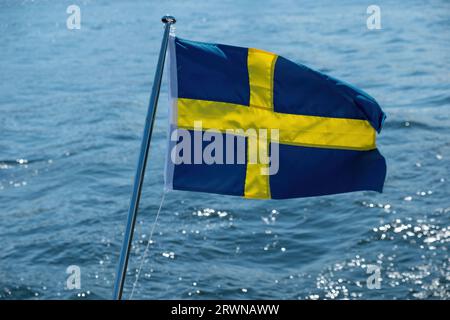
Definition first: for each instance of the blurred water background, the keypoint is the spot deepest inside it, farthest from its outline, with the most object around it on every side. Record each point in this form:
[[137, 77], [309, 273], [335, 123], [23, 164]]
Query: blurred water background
[[72, 108]]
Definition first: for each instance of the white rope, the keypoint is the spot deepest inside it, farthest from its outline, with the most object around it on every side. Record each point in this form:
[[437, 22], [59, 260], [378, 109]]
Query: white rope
[[144, 256]]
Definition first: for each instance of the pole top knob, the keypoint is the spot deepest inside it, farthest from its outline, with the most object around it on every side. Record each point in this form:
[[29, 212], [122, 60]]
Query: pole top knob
[[168, 19]]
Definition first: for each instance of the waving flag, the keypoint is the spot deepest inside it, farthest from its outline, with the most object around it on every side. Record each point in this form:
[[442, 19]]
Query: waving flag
[[320, 133]]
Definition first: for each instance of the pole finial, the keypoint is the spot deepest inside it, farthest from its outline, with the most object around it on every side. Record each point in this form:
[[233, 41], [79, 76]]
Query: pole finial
[[168, 19]]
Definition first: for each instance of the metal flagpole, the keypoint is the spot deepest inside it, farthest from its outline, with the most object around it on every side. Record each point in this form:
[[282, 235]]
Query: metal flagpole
[[140, 171]]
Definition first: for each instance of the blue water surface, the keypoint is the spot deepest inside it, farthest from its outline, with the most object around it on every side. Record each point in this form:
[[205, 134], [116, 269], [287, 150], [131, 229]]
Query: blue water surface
[[72, 110]]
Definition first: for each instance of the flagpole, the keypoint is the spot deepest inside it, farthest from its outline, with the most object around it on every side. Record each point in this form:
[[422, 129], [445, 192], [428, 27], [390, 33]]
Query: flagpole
[[140, 171]]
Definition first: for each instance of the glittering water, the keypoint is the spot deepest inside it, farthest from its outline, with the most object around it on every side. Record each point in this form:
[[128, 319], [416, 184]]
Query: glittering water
[[72, 107]]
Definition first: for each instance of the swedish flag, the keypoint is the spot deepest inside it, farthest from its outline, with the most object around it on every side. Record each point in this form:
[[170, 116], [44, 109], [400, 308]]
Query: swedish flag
[[326, 128]]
